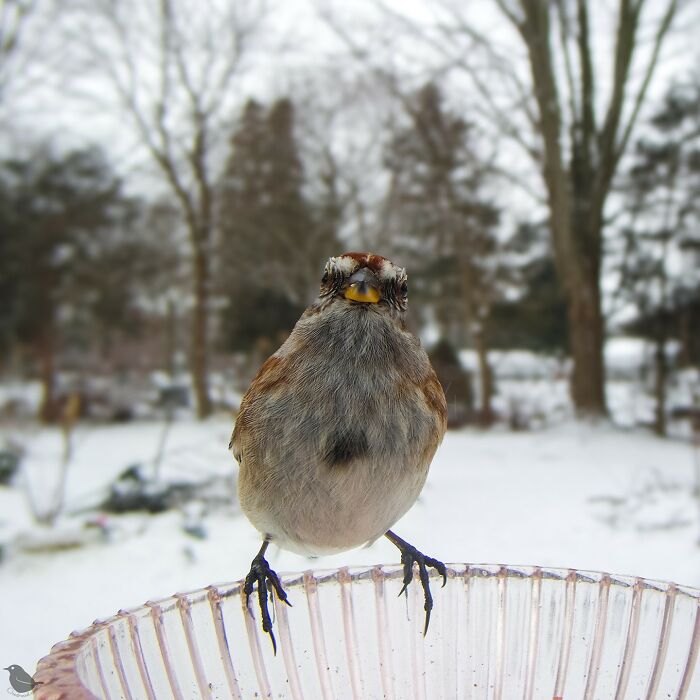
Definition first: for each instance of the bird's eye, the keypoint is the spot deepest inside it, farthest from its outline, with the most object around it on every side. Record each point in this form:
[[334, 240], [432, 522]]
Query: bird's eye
[[404, 288]]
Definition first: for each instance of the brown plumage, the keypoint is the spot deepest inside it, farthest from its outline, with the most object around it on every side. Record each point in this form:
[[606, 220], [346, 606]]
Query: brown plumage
[[337, 431]]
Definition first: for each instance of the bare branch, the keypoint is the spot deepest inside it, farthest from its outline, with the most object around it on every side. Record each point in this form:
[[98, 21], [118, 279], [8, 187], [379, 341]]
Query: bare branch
[[487, 106], [535, 33], [588, 120], [564, 38], [624, 48], [25, 50], [663, 28], [165, 76], [13, 20], [510, 13]]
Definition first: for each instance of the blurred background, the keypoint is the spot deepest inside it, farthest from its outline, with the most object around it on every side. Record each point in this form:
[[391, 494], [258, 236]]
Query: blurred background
[[173, 176]]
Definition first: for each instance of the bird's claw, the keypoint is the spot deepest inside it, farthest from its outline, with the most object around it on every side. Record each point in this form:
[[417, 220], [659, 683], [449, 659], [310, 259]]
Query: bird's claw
[[410, 556], [260, 573]]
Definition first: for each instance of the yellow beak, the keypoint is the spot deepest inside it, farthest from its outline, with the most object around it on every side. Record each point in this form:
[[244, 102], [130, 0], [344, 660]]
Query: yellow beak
[[364, 287], [362, 292]]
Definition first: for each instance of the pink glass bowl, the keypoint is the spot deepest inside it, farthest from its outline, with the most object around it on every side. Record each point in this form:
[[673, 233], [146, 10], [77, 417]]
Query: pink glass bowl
[[497, 632]]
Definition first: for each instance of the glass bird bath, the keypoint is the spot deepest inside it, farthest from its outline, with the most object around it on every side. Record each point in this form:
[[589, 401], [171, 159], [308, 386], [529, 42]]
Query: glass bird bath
[[496, 632]]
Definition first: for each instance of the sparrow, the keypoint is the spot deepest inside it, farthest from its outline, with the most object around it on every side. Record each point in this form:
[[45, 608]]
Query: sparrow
[[20, 680], [337, 431]]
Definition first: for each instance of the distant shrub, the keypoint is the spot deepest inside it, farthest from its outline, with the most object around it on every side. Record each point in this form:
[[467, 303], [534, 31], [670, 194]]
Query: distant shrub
[[456, 383]]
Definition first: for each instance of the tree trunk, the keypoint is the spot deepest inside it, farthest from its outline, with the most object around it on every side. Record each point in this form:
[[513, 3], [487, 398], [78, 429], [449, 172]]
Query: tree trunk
[[586, 338], [170, 339], [685, 332], [47, 407], [485, 380], [200, 338], [661, 372]]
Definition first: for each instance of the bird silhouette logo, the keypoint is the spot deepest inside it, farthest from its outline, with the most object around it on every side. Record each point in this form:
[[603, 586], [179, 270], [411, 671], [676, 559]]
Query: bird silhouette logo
[[20, 680]]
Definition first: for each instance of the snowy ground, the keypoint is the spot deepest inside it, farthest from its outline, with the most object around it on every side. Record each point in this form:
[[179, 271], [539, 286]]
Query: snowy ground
[[572, 495]]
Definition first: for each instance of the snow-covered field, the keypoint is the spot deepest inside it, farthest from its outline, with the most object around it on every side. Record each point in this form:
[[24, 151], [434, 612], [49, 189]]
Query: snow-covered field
[[574, 495]]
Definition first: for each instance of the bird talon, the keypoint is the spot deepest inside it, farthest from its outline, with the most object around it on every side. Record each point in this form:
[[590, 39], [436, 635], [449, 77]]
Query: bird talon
[[439, 567], [427, 622], [410, 556], [260, 573], [277, 586]]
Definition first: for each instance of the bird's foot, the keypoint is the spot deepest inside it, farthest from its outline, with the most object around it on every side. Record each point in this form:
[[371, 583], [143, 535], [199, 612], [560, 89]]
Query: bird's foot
[[260, 573], [410, 556]]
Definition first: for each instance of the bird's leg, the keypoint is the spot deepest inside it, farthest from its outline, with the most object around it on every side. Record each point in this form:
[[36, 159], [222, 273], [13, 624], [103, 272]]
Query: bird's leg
[[260, 573], [409, 556]]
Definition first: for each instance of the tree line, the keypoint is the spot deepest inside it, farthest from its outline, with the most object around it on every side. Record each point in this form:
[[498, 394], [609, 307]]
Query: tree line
[[255, 192]]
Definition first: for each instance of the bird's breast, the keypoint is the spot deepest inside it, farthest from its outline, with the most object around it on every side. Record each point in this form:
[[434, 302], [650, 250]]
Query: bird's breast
[[337, 434], [346, 390]]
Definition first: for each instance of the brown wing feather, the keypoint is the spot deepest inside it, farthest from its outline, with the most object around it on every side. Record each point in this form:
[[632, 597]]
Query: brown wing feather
[[270, 375]]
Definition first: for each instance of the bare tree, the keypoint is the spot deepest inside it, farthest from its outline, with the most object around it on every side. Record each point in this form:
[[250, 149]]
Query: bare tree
[[14, 17], [559, 116], [27, 48], [343, 163], [175, 68], [578, 182]]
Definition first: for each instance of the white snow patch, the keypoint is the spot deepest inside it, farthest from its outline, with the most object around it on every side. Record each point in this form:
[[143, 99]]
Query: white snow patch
[[574, 495]]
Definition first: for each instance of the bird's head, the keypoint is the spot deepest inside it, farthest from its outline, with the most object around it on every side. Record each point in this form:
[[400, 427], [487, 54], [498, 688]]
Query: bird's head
[[10, 668], [364, 280]]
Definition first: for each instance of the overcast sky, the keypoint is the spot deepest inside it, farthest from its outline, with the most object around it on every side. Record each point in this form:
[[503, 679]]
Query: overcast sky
[[298, 41], [299, 51]]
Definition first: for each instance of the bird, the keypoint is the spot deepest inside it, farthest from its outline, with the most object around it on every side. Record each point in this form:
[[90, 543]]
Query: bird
[[20, 680], [336, 433]]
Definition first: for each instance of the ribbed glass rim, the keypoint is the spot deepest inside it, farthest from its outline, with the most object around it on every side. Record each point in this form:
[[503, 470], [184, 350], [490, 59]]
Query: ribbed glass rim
[[58, 672]]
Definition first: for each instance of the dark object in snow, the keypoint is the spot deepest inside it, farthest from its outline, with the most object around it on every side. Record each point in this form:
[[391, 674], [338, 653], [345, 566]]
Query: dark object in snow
[[171, 397], [132, 491], [195, 530], [689, 413], [132, 473], [114, 405], [9, 464], [456, 383]]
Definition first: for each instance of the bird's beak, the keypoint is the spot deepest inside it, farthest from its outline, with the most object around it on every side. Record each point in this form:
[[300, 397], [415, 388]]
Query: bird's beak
[[364, 287]]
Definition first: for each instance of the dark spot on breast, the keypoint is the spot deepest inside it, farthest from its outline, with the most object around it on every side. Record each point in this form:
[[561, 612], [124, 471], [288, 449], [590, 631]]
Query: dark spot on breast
[[344, 447]]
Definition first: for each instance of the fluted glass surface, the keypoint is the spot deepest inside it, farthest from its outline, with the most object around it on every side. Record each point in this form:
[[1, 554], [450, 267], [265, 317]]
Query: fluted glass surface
[[497, 632]]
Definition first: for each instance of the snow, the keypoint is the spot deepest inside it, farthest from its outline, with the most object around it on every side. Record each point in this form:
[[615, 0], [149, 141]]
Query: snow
[[517, 364], [25, 395], [572, 495], [626, 357]]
